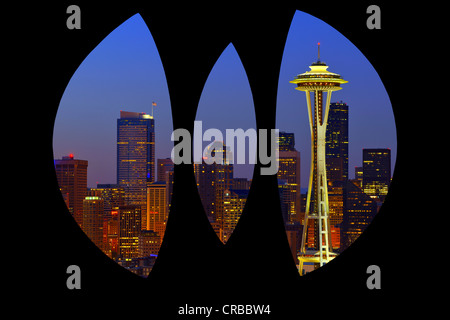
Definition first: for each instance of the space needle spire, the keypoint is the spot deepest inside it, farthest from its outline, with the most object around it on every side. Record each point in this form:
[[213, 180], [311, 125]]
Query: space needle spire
[[318, 51]]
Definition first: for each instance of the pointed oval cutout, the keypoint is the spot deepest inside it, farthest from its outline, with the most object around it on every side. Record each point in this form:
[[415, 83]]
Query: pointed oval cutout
[[360, 141], [111, 141], [225, 120]]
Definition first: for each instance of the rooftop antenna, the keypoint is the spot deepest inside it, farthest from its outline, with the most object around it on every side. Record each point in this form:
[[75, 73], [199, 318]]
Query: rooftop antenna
[[318, 51], [153, 105]]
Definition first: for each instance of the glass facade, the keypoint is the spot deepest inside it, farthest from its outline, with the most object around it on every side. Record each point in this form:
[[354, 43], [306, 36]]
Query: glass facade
[[135, 155]]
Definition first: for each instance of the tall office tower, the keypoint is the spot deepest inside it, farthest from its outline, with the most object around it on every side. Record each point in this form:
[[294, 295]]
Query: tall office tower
[[358, 176], [112, 196], [112, 234], [286, 141], [169, 189], [376, 172], [163, 166], [149, 243], [135, 156], [284, 192], [205, 178], [336, 198], [212, 180], [234, 202], [317, 81], [359, 211], [336, 148], [93, 221], [156, 208], [289, 175], [72, 179], [129, 231]]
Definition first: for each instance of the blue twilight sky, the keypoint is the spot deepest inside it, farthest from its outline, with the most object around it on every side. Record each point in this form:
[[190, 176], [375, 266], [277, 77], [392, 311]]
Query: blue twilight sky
[[124, 72]]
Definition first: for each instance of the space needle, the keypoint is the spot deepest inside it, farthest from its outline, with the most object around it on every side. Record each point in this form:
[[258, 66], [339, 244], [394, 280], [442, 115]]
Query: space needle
[[316, 245]]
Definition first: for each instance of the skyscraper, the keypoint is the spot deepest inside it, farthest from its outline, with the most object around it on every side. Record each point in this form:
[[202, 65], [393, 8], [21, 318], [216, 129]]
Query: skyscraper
[[72, 180], [336, 198], [286, 141], [93, 220], [135, 156], [149, 243], [376, 172], [212, 181], [112, 196], [288, 175], [164, 165], [359, 212], [129, 231], [169, 189], [156, 208], [205, 176], [336, 148], [234, 202], [359, 176], [336, 151]]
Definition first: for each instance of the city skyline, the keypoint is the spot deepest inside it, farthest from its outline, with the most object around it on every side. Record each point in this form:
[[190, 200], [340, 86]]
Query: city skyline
[[118, 78], [130, 230], [125, 73]]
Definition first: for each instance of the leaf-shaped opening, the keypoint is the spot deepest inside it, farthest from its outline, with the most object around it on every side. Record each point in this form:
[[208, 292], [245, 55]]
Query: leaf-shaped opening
[[359, 150], [225, 143], [111, 144]]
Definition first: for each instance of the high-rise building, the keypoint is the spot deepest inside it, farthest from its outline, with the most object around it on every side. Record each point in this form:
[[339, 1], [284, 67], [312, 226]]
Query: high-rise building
[[156, 208], [358, 176], [320, 83], [72, 180], [376, 172], [129, 231], [93, 220], [212, 181], [234, 202], [336, 198], [286, 141], [205, 176], [135, 155], [112, 234], [112, 196], [169, 188], [336, 148], [149, 243], [284, 192], [164, 165], [289, 175], [359, 212]]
